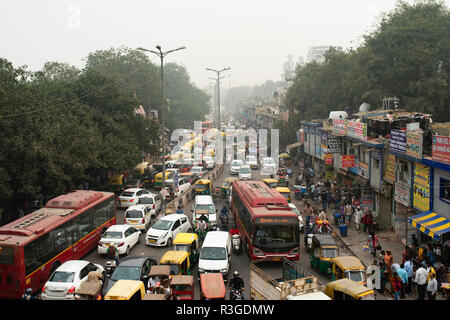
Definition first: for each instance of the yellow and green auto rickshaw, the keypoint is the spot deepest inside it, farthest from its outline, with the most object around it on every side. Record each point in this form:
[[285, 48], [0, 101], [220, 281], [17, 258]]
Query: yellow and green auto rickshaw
[[115, 183], [126, 290], [159, 178], [324, 250], [187, 242], [349, 267], [203, 187], [285, 192], [346, 289], [225, 187], [271, 183], [178, 261]]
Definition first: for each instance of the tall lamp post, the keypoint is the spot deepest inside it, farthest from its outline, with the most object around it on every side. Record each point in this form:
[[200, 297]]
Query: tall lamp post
[[161, 55], [218, 90]]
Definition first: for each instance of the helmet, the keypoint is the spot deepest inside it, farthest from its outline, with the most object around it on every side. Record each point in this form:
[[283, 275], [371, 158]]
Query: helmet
[[236, 274]]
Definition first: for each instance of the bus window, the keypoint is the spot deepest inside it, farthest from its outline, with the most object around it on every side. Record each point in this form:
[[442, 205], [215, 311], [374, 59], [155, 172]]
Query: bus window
[[6, 255]]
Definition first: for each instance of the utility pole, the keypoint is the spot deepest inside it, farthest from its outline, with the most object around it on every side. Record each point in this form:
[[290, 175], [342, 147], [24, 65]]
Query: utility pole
[[218, 91], [163, 144]]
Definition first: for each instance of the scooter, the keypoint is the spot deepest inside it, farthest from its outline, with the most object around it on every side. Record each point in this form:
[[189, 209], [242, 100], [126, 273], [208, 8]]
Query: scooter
[[236, 294], [236, 242], [309, 233], [110, 267]]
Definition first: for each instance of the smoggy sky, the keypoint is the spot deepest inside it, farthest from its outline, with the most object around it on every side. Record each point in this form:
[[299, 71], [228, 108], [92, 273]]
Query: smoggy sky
[[252, 37]]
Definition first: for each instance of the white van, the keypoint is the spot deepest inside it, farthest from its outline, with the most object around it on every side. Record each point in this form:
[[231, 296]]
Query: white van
[[202, 203], [215, 255], [138, 216]]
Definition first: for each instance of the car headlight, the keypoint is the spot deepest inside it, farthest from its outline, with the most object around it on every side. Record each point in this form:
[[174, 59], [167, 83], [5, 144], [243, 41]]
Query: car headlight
[[164, 235], [223, 270], [201, 270]]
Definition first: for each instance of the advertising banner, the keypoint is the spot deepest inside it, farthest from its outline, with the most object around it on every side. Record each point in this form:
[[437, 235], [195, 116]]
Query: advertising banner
[[421, 191], [398, 141], [401, 194], [390, 174], [357, 129], [334, 144], [441, 149], [348, 161], [414, 144], [328, 158]]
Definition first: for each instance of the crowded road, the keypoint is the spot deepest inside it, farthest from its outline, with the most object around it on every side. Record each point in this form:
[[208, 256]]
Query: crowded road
[[241, 263]]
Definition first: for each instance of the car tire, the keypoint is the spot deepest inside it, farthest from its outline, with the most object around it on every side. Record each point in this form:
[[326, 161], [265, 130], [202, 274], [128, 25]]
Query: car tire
[[169, 242], [127, 252]]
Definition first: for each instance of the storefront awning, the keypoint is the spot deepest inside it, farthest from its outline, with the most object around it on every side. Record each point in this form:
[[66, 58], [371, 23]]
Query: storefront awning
[[430, 223]]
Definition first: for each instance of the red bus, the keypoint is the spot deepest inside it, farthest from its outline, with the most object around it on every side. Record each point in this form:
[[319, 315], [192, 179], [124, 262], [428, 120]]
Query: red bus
[[268, 227], [68, 227]]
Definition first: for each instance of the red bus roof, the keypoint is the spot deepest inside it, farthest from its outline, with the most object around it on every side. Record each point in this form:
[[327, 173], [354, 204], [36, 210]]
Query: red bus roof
[[33, 225], [258, 194]]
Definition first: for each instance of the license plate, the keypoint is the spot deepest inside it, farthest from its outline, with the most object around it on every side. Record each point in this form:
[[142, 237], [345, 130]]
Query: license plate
[[152, 240], [134, 221], [124, 200]]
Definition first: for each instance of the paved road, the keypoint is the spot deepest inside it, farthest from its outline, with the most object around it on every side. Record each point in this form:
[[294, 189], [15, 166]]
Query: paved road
[[241, 263]]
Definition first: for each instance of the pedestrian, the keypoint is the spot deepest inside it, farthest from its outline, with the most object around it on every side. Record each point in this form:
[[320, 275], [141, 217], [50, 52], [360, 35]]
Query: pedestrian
[[405, 254], [348, 213], [421, 281], [372, 242], [381, 256], [396, 286], [383, 276], [430, 271], [342, 211], [308, 211], [432, 288], [403, 275], [389, 260], [414, 241], [368, 222], [358, 218], [409, 271], [324, 199]]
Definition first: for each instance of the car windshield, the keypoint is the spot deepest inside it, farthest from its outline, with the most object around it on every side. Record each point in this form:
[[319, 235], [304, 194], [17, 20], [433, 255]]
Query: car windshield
[[181, 247], [329, 252], [132, 182], [62, 276], [207, 158], [196, 169], [213, 253], [133, 214], [145, 201], [204, 207], [251, 159], [244, 170], [174, 268], [126, 273], [127, 194], [356, 275], [285, 194], [268, 161], [112, 235], [162, 224]]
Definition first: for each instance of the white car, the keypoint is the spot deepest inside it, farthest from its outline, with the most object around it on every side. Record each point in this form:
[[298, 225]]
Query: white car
[[165, 229], [252, 162], [300, 218], [197, 170], [183, 185], [235, 166], [209, 161], [269, 166], [138, 216], [130, 197], [67, 278], [151, 200], [123, 236], [245, 173]]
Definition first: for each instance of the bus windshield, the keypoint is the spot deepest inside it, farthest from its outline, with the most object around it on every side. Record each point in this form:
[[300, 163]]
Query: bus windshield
[[276, 236]]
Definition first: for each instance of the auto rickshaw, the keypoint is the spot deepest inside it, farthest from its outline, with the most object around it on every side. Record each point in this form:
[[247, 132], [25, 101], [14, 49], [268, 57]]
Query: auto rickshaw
[[212, 286], [158, 179], [225, 187], [161, 274], [271, 183], [178, 261], [324, 250], [285, 192], [182, 286], [203, 187], [115, 183], [89, 290], [300, 192], [126, 290], [282, 177], [346, 289], [187, 242], [349, 267]]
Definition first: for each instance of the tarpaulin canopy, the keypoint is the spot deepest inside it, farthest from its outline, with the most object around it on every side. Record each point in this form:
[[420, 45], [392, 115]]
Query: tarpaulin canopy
[[430, 223]]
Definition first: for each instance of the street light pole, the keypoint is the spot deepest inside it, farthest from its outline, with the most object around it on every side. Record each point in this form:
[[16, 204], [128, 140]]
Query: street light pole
[[218, 90], [163, 145]]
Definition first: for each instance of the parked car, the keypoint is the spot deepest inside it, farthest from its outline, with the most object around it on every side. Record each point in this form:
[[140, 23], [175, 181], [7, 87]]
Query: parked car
[[300, 218], [130, 197], [235, 166], [123, 236], [252, 162], [245, 173], [269, 166], [151, 200], [67, 278], [130, 268], [165, 229], [138, 216]]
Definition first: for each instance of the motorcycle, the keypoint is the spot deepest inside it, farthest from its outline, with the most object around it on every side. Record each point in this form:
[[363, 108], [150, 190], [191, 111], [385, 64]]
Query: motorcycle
[[236, 242], [110, 267], [309, 233], [224, 222], [236, 294]]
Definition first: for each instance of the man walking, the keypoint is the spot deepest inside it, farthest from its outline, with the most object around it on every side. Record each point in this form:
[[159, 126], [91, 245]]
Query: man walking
[[421, 281], [409, 270], [358, 218], [432, 287], [403, 275]]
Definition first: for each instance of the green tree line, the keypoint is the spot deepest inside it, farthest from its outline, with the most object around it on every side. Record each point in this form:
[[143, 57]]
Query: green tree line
[[62, 126], [406, 55]]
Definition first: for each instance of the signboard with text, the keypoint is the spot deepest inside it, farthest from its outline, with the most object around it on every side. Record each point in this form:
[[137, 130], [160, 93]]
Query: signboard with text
[[398, 141], [357, 129], [334, 144], [441, 149], [348, 161], [401, 194], [328, 158], [414, 144], [390, 174], [422, 189]]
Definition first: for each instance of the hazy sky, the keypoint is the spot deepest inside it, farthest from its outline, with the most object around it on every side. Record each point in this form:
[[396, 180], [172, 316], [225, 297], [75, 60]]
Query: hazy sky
[[252, 37]]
